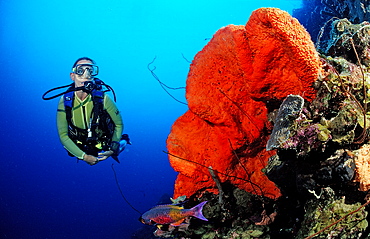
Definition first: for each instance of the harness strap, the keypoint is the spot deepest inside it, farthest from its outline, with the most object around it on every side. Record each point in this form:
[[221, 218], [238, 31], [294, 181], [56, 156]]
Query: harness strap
[[98, 101], [68, 105]]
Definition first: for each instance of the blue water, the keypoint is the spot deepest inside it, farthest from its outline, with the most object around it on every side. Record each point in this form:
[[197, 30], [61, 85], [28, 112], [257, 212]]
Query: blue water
[[44, 193]]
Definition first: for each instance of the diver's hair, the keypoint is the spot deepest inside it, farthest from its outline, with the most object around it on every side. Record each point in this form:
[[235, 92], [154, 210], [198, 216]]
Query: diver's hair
[[83, 58]]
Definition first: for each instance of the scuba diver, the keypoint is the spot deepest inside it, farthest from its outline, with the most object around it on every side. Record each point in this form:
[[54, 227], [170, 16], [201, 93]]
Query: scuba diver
[[89, 123]]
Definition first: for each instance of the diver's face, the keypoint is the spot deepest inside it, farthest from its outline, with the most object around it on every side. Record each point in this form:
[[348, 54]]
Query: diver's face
[[80, 79]]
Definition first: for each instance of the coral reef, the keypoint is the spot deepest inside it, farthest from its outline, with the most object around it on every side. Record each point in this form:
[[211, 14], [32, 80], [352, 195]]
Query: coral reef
[[316, 138], [327, 210], [242, 215], [342, 34], [241, 73], [315, 14], [288, 113], [321, 159]]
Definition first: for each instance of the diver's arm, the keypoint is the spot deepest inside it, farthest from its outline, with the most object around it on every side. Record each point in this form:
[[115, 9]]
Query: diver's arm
[[68, 144], [62, 125], [114, 113], [90, 159]]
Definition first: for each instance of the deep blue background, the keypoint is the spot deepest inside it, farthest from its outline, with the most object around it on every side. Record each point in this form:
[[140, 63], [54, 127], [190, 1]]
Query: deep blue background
[[43, 192]]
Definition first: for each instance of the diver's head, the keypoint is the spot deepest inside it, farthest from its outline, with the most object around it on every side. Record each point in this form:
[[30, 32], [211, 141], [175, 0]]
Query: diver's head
[[84, 69]]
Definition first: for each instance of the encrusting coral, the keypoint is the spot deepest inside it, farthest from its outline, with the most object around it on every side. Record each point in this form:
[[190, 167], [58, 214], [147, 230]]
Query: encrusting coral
[[232, 83], [363, 167]]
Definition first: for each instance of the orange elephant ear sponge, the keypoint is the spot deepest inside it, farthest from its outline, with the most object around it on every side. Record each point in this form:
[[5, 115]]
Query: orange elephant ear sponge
[[284, 57], [229, 84]]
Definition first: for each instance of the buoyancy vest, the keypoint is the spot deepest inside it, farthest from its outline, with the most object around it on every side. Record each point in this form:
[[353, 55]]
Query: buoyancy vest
[[99, 133]]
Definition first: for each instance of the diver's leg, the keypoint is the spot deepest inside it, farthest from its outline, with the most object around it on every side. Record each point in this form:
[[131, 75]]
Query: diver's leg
[[125, 140]]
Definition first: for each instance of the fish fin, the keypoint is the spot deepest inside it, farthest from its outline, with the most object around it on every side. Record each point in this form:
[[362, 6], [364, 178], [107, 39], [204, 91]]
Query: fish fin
[[168, 206], [178, 223], [197, 211]]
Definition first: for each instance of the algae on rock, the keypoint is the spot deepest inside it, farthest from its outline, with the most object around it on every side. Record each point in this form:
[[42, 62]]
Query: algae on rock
[[329, 209]]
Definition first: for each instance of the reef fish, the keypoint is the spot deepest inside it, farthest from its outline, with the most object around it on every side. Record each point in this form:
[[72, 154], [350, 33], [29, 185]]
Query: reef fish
[[171, 214]]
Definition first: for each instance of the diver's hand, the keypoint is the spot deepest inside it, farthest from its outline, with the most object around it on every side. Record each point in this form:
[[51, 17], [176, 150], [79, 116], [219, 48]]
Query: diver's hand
[[90, 159], [104, 155]]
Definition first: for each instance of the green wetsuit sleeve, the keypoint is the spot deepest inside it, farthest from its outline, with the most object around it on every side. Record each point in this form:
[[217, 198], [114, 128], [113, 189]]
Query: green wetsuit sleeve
[[114, 113], [62, 126]]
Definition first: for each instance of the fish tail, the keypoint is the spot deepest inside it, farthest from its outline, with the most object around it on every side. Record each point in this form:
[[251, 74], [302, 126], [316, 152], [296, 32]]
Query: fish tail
[[197, 211]]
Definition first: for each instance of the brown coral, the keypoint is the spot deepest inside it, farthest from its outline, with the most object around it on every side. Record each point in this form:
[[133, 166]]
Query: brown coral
[[362, 162]]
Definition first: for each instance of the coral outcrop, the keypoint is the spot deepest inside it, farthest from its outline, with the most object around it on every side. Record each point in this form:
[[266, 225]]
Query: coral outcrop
[[268, 117], [231, 85], [326, 211]]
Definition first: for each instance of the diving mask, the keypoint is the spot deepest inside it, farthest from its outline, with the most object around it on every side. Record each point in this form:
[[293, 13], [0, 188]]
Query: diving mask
[[81, 68]]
